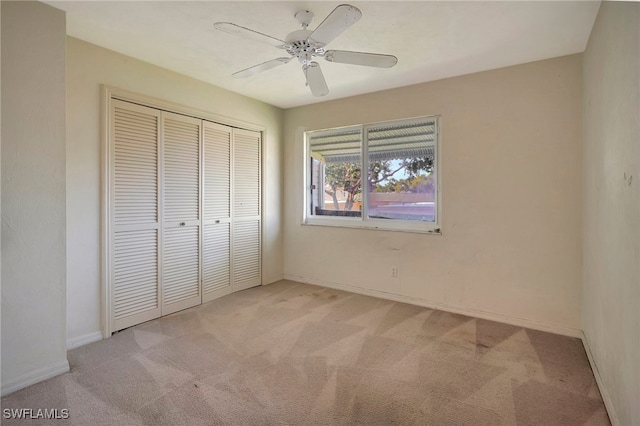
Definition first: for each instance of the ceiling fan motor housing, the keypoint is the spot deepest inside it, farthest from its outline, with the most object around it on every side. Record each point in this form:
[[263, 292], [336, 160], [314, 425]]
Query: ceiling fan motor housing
[[299, 45]]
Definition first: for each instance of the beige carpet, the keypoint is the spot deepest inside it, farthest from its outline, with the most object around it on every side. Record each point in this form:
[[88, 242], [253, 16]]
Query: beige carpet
[[297, 354]]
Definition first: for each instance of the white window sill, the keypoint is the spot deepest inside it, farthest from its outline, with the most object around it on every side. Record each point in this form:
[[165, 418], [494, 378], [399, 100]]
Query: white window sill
[[375, 225]]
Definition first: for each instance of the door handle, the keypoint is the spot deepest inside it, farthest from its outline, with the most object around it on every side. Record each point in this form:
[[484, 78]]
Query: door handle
[[183, 223]]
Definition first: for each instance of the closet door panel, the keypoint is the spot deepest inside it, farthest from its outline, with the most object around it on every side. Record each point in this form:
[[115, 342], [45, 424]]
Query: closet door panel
[[134, 214], [246, 254], [181, 169], [180, 213], [135, 277], [135, 177], [246, 246], [246, 174], [217, 176], [181, 275], [216, 256], [216, 268]]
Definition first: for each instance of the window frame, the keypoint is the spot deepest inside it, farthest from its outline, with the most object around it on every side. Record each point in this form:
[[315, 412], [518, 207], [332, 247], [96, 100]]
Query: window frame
[[364, 222]]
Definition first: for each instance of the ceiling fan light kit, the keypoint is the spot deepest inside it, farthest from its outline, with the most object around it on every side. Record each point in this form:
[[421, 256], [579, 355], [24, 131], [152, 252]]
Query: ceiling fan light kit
[[306, 45]]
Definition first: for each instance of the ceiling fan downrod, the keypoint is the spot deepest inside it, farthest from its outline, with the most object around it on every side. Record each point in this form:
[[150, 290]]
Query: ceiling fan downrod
[[304, 17]]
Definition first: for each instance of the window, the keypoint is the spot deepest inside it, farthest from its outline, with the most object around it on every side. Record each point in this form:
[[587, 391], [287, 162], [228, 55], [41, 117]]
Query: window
[[381, 175]]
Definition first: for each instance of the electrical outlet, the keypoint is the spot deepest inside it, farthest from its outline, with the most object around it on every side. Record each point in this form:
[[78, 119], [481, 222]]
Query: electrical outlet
[[394, 272]]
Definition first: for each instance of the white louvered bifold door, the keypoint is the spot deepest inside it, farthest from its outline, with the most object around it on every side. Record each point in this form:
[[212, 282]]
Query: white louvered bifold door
[[246, 195], [134, 201], [216, 247], [180, 279]]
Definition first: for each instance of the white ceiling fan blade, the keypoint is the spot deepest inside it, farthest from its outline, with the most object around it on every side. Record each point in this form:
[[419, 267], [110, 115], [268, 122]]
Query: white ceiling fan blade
[[315, 79], [360, 58], [261, 67], [234, 29], [336, 23]]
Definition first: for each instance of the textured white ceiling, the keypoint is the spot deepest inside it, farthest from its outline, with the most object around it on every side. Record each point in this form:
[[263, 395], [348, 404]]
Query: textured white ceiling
[[432, 40]]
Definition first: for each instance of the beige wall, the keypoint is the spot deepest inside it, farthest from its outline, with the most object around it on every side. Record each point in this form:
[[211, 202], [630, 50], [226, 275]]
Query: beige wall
[[611, 232], [510, 247], [89, 66], [33, 194]]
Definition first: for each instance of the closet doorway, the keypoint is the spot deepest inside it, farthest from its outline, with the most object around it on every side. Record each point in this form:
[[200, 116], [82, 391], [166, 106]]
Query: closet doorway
[[182, 209]]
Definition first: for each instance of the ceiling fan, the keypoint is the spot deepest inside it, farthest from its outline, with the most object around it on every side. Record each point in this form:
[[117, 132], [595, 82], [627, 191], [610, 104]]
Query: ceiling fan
[[306, 45]]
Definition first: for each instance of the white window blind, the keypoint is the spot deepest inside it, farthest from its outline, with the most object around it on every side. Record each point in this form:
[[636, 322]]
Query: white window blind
[[379, 176]]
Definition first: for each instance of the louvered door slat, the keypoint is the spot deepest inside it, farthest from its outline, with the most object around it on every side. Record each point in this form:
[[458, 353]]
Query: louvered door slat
[[246, 254], [181, 169], [135, 142], [180, 265], [127, 279], [142, 291], [216, 273], [246, 174], [217, 175]]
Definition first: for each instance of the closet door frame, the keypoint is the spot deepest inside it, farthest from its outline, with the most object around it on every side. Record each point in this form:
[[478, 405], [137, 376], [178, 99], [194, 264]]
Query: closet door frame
[[109, 93]]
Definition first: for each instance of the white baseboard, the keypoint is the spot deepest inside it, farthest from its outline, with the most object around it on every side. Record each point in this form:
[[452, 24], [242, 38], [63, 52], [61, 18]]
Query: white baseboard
[[608, 404], [491, 316], [34, 377], [84, 340]]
